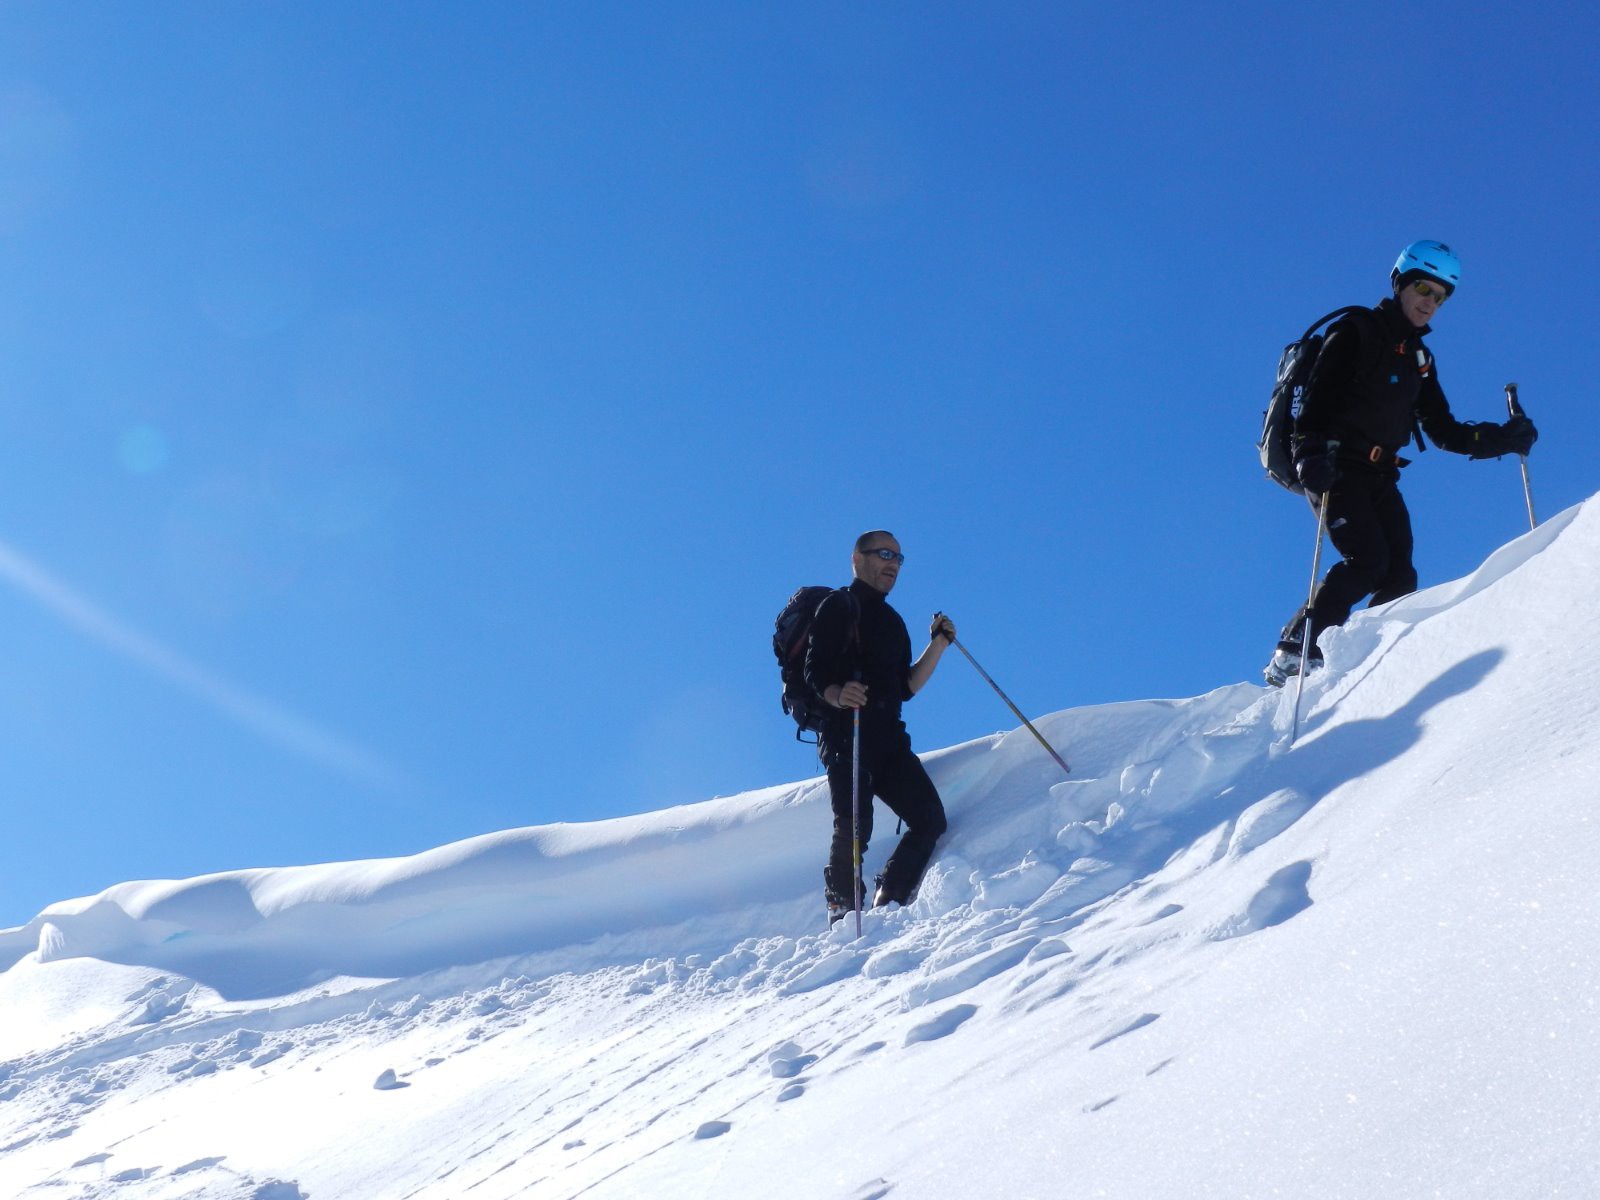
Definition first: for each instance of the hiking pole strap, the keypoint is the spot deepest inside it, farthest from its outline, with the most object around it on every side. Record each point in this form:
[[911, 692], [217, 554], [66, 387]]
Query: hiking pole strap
[[1514, 407], [1061, 762]]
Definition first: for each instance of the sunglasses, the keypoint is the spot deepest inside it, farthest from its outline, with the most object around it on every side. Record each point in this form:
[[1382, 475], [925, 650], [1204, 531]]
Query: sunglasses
[[1431, 291], [893, 556]]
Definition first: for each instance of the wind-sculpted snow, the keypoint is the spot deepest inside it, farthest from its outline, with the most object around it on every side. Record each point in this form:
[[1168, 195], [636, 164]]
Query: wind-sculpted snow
[[1210, 963], [258, 933]]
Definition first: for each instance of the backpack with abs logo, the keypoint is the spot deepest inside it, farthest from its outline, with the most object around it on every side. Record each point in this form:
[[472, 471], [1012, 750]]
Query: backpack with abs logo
[[791, 634], [1277, 425]]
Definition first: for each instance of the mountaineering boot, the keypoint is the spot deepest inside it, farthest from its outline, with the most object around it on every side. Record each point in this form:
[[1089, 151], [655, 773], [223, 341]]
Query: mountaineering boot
[[1285, 664], [837, 896], [838, 907], [888, 895]]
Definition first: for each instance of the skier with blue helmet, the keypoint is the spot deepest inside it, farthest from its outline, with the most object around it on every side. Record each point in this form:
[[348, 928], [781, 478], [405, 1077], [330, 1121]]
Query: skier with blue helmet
[[1374, 387]]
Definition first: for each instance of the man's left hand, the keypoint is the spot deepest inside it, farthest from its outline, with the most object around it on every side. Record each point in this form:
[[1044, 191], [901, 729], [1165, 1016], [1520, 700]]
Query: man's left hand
[[1518, 435], [942, 626]]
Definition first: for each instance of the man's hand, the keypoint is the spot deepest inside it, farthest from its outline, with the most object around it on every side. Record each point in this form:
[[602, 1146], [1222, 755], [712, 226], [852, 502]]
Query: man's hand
[[849, 695], [1317, 470], [942, 626], [1518, 435]]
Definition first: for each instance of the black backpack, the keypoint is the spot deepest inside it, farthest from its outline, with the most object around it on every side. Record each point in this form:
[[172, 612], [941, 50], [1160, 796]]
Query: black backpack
[[1277, 423], [791, 634]]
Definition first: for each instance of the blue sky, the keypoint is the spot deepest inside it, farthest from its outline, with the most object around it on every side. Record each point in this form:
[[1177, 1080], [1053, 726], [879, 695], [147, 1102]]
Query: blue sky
[[415, 415]]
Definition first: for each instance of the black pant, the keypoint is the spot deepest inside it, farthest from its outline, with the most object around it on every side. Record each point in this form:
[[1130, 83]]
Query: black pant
[[1371, 529], [897, 777]]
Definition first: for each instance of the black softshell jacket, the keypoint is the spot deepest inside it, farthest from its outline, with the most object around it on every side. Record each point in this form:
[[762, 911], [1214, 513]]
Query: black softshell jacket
[[879, 647], [1373, 383]]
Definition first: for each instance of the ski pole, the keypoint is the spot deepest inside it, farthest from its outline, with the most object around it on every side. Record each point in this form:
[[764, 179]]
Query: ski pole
[[1305, 636], [1527, 492], [1061, 762], [855, 811]]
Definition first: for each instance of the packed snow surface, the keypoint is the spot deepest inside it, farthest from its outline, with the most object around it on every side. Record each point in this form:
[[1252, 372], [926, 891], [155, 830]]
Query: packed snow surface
[[1208, 964]]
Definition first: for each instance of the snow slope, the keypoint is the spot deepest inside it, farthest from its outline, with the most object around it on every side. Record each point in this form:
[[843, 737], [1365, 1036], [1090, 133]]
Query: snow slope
[[1210, 964]]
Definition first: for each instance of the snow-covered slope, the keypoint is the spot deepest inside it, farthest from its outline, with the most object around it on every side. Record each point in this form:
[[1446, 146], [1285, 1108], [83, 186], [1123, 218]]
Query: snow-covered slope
[[1211, 964]]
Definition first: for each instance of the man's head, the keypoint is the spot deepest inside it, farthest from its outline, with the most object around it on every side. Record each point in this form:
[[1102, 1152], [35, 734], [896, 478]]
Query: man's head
[[1424, 276], [876, 559]]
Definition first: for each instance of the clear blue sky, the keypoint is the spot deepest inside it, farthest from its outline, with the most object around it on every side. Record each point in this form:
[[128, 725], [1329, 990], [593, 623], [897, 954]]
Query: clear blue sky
[[415, 414]]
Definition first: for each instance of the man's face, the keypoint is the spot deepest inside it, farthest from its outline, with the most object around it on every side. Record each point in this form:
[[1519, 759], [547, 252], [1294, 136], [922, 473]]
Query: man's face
[[873, 569], [1420, 299]]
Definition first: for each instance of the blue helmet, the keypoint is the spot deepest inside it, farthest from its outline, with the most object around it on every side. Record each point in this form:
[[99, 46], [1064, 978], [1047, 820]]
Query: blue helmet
[[1430, 260]]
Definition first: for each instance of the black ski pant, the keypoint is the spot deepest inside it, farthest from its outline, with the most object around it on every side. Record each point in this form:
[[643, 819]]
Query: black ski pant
[[1371, 529], [897, 777]]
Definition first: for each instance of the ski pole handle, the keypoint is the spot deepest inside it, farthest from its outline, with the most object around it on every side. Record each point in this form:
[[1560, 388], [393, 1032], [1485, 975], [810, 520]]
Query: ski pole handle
[[1512, 404]]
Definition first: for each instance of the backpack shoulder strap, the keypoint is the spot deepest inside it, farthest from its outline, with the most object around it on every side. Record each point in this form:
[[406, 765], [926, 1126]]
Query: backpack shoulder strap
[[1335, 315]]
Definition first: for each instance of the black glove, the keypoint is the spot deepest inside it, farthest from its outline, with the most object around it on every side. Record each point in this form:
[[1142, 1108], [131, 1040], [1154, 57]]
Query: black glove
[[1518, 435], [1317, 469], [1489, 440]]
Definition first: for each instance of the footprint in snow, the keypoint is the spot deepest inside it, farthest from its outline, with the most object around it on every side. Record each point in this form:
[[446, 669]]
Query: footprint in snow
[[1133, 1026], [1171, 910], [829, 970], [891, 962], [388, 1082], [788, 1068], [199, 1164], [161, 1003], [1283, 896], [1048, 948], [876, 1190], [793, 1092], [942, 1025], [712, 1129], [969, 974], [271, 1055], [1267, 818]]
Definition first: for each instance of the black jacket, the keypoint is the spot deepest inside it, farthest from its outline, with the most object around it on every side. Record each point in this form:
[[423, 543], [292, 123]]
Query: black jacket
[[1373, 384], [856, 634]]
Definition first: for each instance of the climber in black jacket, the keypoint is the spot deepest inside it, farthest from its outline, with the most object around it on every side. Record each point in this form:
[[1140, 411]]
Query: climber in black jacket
[[859, 661], [1374, 385]]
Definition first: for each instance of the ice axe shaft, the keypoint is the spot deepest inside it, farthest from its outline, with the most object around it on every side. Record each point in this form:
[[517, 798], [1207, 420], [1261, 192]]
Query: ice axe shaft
[[1060, 762], [1515, 409]]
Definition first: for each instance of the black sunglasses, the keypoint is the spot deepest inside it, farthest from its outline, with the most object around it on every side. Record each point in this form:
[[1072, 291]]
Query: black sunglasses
[[887, 555]]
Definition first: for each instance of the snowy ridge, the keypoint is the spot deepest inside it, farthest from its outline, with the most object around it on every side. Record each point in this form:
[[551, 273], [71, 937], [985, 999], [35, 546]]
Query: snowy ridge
[[1210, 964]]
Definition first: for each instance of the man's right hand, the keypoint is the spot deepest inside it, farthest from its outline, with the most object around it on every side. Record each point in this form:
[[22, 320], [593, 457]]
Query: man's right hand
[[1317, 469], [851, 695]]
